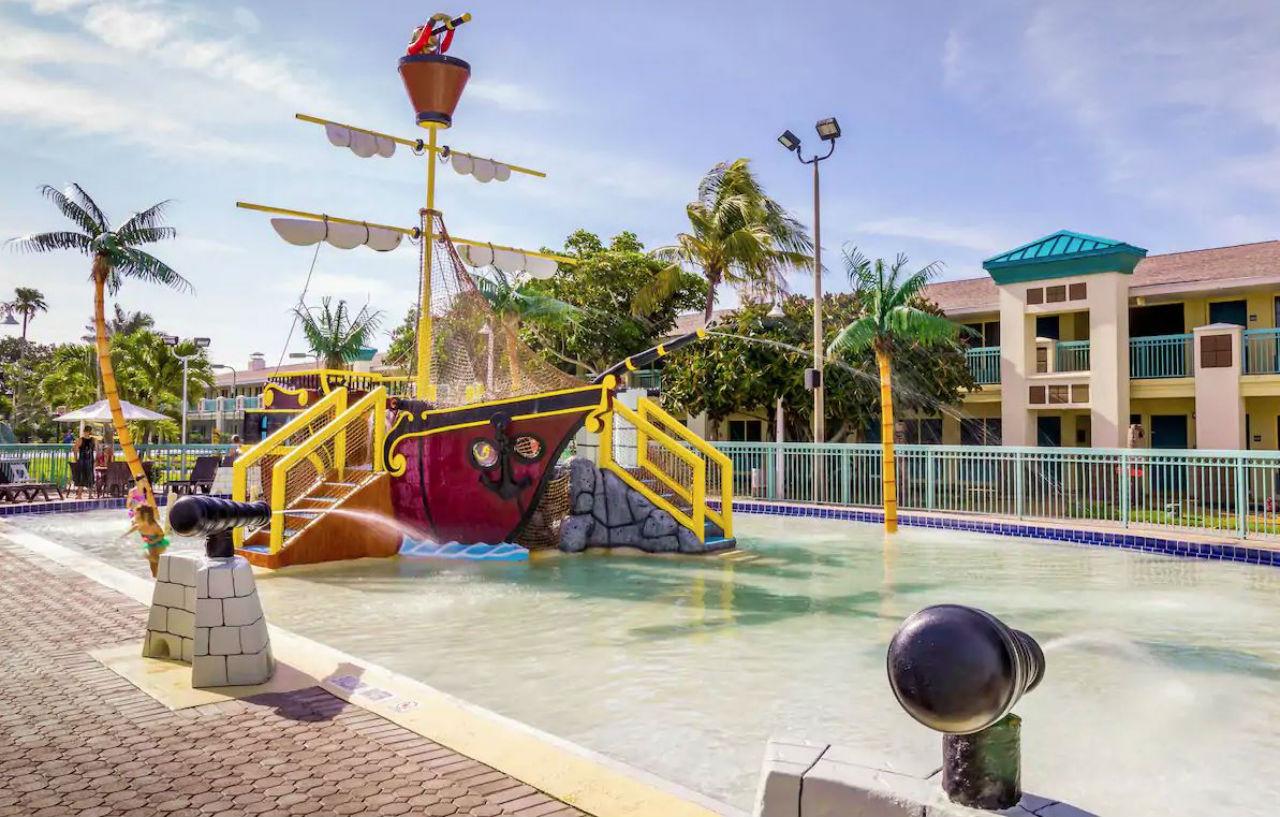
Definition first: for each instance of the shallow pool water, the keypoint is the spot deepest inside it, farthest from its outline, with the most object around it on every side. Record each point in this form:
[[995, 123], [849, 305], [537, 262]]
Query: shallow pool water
[[1162, 694]]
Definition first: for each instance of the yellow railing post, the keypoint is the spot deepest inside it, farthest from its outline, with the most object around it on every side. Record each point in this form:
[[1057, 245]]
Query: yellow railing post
[[379, 429]]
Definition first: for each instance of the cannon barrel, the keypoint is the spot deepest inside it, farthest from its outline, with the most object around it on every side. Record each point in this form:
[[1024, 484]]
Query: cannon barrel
[[214, 517], [960, 670]]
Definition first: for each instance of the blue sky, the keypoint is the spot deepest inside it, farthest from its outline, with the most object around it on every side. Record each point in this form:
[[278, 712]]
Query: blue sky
[[968, 128]]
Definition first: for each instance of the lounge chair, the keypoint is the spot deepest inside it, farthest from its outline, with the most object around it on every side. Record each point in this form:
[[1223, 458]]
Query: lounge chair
[[200, 479], [20, 487]]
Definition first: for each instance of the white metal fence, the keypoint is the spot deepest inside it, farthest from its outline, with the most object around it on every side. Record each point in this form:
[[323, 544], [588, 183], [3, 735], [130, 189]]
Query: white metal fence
[[1223, 492]]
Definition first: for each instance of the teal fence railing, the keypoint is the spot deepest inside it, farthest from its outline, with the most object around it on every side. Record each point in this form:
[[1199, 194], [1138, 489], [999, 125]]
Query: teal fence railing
[[984, 364], [228, 404], [1218, 492], [1261, 351], [646, 379], [1160, 356], [52, 462], [1071, 356]]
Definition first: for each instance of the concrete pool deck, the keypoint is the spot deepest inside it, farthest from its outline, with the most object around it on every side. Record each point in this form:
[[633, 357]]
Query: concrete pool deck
[[88, 729]]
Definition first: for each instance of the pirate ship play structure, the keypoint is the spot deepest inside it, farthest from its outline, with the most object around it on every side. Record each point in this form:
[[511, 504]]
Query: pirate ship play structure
[[467, 447]]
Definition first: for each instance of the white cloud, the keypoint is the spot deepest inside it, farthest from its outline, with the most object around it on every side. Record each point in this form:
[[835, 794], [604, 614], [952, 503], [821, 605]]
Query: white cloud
[[246, 19], [978, 239], [1180, 108], [508, 96]]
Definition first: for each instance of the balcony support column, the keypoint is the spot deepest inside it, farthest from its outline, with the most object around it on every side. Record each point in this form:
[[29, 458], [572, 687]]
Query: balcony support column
[[1219, 404]]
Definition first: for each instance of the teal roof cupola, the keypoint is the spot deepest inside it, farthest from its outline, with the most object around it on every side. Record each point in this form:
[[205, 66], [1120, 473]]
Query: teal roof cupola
[[1062, 254]]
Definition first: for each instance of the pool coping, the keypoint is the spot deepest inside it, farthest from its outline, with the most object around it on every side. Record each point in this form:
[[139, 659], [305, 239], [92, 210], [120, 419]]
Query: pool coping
[[593, 782], [1186, 545]]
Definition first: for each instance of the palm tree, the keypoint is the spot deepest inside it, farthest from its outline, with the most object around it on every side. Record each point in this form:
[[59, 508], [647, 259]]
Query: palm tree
[[71, 381], [518, 303], [28, 302], [116, 256], [891, 319], [126, 322], [334, 334], [738, 235]]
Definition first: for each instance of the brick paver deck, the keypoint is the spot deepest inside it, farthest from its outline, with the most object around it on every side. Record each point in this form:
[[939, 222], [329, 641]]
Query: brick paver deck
[[75, 738]]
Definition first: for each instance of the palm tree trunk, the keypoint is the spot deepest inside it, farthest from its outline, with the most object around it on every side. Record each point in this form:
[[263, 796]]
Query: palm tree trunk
[[100, 270], [24, 326], [888, 469], [712, 281]]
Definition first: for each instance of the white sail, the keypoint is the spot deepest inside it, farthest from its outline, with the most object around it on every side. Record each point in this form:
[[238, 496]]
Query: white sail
[[347, 236], [299, 232], [383, 240]]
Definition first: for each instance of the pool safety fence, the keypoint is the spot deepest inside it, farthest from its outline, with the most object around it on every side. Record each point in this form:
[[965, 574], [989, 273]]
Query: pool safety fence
[[51, 462], [1233, 493]]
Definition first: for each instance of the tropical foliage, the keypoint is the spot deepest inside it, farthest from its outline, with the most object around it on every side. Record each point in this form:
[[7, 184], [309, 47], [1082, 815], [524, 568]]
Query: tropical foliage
[[729, 372], [892, 319], [737, 235], [519, 304], [116, 254], [605, 286], [28, 302], [334, 334]]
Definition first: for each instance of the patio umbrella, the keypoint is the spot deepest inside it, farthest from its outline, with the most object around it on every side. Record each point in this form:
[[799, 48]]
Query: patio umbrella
[[100, 412]]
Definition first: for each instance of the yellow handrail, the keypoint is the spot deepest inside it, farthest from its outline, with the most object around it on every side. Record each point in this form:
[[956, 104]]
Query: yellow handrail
[[337, 400], [336, 429], [696, 521], [724, 518]]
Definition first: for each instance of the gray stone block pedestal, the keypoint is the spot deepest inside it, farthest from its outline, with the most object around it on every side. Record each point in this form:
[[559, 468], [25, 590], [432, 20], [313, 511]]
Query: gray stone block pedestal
[[820, 780], [206, 612]]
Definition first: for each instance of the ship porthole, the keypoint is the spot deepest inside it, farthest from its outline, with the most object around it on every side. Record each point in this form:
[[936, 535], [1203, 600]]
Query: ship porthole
[[529, 448], [483, 453]]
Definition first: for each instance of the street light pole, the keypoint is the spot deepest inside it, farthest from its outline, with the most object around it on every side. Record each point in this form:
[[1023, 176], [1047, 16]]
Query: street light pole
[[828, 131], [199, 343], [234, 395]]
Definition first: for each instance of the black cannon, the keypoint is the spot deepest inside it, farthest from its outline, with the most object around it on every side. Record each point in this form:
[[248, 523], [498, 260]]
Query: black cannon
[[214, 517], [960, 670]]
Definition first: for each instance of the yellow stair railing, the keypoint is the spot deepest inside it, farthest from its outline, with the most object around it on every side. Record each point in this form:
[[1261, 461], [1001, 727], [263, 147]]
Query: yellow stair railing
[[281, 443], [694, 493], [352, 441], [718, 466]]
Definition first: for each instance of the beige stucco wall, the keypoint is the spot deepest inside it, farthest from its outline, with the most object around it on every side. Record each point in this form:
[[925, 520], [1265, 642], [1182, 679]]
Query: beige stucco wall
[[1219, 405]]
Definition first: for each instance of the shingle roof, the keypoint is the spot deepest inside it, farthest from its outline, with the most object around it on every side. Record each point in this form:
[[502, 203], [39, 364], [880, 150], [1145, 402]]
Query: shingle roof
[[1214, 264]]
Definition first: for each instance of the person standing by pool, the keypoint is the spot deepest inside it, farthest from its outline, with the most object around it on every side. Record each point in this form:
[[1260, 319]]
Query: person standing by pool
[[154, 541], [84, 460]]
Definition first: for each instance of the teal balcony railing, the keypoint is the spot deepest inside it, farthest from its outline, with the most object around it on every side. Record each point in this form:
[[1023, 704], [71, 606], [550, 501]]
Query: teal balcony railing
[[1206, 492], [228, 404], [51, 462], [1160, 356], [1261, 351], [646, 379], [1072, 356], [984, 364]]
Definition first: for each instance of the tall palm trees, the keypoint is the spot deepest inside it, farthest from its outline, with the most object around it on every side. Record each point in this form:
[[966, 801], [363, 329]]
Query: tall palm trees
[[891, 319], [27, 302], [334, 334], [116, 255], [738, 235]]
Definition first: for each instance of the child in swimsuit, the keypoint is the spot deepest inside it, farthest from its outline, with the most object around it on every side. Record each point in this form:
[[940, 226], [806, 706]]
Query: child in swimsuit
[[154, 542]]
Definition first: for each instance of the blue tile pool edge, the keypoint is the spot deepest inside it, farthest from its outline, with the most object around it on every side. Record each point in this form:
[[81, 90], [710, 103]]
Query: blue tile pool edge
[[1099, 538]]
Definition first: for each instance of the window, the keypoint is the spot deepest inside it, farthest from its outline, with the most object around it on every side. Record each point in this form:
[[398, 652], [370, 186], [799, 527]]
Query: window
[[1042, 359], [980, 431], [1056, 294], [923, 432], [991, 333], [1058, 394], [1048, 326], [746, 431], [1035, 296], [1036, 397], [1080, 393], [1076, 292]]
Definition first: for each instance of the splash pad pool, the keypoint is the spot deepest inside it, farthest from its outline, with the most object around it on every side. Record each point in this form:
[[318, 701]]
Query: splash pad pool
[[1162, 696]]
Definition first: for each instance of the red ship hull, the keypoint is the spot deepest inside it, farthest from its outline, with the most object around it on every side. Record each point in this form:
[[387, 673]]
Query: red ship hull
[[474, 474]]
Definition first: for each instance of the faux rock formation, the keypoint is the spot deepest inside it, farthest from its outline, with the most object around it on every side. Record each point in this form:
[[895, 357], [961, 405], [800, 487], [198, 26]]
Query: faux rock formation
[[206, 612], [606, 512]]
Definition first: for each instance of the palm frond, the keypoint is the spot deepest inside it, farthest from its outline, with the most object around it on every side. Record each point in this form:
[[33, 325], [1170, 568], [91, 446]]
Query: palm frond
[[147, 219], [665, 283], [134, 263], [84, 219], [86, 203], [48, 242], [856, 338], [147, 235], [907, 323]]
